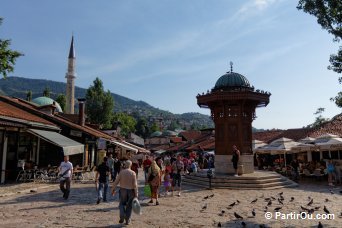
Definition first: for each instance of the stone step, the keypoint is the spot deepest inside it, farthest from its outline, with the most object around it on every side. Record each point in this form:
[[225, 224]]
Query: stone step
[[241, 184], [293, 185], [257, 181], [235, 180]]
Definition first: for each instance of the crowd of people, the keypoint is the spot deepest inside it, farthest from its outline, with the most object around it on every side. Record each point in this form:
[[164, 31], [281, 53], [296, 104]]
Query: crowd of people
[[162, 174]]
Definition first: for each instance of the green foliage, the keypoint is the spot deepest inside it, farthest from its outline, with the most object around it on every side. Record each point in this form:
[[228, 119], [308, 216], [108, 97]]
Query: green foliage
[[7, 56], [29, 95], [142, 128], [319, 118], [100, 104], [154, 127], [329, 16], [174, 125], [61, 99], [46, 92], [126, 122]]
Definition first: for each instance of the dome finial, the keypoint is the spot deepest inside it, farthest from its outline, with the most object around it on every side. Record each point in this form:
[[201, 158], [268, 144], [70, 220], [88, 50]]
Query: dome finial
[[231, 66]]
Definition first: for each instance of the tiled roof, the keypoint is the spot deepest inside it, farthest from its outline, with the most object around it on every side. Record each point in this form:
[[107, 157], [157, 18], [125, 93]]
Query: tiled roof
[[334, 126], [176, 139], [29, 108], [8, 110], [190, 135], [202, 145]]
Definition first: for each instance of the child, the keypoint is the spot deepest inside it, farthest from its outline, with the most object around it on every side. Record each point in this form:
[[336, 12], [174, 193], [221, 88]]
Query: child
[[167, 181]]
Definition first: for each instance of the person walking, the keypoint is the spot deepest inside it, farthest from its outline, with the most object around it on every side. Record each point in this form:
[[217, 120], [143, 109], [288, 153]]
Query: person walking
[[128, 191], [177, 169], [146, 165], [110, 164], [235, 159], [117, 167], [154, 180], [65, 172], [102, 180]]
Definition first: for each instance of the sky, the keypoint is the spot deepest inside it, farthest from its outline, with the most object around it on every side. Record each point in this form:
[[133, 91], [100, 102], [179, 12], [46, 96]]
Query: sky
[[166, 52]]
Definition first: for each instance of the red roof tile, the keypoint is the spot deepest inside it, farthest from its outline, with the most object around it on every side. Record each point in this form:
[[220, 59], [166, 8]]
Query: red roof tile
[[8, 110], [190, 135]]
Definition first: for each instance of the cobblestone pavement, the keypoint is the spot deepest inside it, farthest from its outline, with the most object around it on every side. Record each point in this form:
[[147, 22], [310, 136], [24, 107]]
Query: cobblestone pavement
[[45, 207]]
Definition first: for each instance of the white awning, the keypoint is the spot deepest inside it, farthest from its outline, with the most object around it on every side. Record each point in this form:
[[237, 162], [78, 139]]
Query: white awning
[[69, 146], [125, 146]]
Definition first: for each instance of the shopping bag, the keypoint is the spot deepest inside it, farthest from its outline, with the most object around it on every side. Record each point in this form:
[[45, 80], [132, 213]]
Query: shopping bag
[[147, 191], [136, 206]]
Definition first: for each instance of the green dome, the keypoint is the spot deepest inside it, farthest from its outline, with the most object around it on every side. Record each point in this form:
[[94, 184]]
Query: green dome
[[232, 80], [156, 134], [41, 101]]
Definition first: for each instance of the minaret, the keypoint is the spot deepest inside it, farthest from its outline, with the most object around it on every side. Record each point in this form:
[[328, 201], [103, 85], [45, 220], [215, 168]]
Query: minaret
[[70, 76]]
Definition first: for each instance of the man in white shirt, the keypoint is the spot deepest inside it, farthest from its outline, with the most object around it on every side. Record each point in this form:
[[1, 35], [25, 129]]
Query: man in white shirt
[[65, 173]]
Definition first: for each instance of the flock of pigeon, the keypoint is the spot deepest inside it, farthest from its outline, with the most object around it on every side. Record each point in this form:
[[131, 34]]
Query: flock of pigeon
[[278, 203]]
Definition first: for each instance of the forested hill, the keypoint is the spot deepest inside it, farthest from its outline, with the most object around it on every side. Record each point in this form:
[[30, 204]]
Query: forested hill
[[18, 87]]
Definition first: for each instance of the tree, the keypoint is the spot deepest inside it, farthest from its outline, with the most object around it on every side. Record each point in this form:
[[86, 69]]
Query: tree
[[319, 118], [61, 100], [329, 16], [46, 92], [141, 128], [29, 95], [7, 56], [154, 127], [127, 123], [100, 104]]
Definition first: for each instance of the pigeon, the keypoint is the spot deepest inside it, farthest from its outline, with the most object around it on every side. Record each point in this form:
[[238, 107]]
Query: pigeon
[[326, 210], [269, 203], [309, 204], [232, 205], [237, 201], [254, 201], [320, 225], [205, 206], [206, 197], [311, 211], [237, 216], [266, 209], [243, 224], [211, 196], [280, 202], [267, 199], [223, 211], [219, 225], [292, 199], [281, 198], [281, 193], [327, 200], [273, 198], [253, 213], [317, 208], [304, 209], [277, 208]]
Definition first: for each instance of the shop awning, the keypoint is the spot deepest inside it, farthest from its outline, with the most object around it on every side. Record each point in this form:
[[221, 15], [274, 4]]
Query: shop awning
[[127, 147], [69, 146]]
